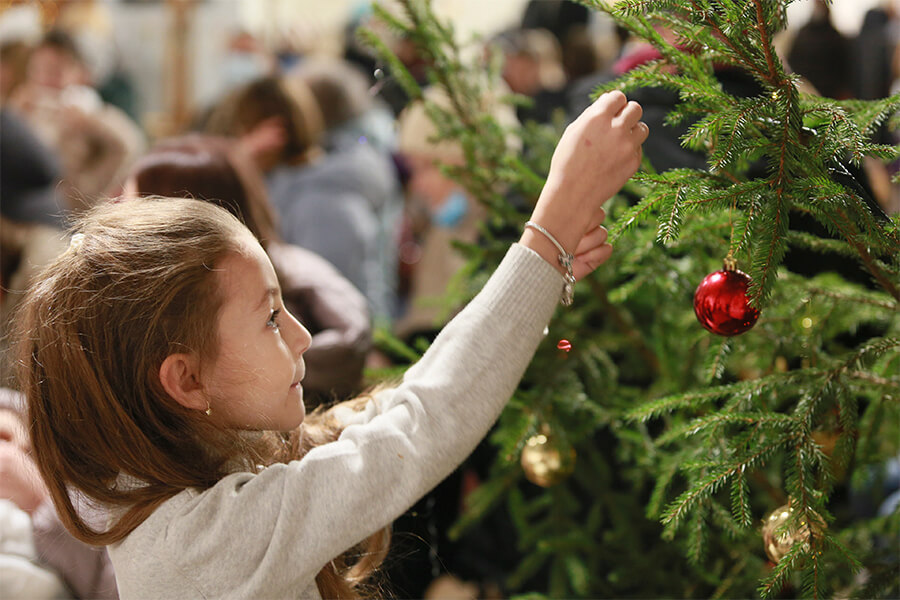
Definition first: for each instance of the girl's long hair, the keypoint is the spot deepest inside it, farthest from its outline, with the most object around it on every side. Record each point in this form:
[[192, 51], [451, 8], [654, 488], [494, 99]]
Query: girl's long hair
[[138, 283]]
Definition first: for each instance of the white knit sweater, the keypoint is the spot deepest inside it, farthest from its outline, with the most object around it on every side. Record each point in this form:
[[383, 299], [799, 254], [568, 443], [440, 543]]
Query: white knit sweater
[[267, 535]]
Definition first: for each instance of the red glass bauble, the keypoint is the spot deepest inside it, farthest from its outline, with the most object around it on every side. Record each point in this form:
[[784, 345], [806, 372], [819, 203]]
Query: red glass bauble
[[720, 303]]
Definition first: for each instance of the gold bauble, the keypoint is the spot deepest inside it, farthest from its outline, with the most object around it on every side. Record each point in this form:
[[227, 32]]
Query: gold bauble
[[545, 461], [777, 539]]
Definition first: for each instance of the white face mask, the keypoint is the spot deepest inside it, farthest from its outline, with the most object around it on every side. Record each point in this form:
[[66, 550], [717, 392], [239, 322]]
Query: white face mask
[[243, 67]]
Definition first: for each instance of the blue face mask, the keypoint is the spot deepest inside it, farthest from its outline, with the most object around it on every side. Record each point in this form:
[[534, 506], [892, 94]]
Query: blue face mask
[[452, 210]]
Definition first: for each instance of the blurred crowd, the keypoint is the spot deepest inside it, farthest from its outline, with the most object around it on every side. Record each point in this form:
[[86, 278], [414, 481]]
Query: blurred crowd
[[332, 168]]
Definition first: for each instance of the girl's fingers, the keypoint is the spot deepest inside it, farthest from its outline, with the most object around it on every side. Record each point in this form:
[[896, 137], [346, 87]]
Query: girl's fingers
[[629, 115], [611, 103], [590, 260], [593, 238], [640, 132], [597, 219]]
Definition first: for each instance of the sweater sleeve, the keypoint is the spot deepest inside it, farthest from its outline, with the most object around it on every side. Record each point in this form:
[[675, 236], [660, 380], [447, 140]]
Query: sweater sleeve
[[270, 533]]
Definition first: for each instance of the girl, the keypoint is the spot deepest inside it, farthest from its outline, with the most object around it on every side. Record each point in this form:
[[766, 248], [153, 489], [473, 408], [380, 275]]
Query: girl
[[156, 354], [335, 312]]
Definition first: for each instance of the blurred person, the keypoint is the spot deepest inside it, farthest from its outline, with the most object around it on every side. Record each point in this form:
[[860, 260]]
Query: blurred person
[[532, 67], [351, 115], [556, 16], [39, 559], [876, 62], [322, 200], [90, 24], [31, 217], [13, 66], [873, 53], [334, 312], [821, 54], [438, 211], [95, 141], [246, 59], [580, 54], [382, 84], [360, 139]]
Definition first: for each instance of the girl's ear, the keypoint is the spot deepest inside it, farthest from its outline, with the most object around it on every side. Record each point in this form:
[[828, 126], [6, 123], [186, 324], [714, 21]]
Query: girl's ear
[[179, 375]]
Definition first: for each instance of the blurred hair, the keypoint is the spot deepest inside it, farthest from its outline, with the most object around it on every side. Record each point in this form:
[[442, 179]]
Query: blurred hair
[[539, 45], [580, 56], [14, 59], [341, 89], [209, 168], [62, 42], [267, 97]]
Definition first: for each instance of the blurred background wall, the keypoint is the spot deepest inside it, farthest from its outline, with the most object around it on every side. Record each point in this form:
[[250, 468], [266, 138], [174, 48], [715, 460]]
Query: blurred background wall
[[174, 51]]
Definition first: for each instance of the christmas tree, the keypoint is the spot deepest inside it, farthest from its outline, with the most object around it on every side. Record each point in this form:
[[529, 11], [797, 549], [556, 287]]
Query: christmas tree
[[642, 454]]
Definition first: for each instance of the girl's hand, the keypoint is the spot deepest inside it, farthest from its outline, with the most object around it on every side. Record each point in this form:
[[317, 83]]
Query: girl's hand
[[592, 251], [596, 155]]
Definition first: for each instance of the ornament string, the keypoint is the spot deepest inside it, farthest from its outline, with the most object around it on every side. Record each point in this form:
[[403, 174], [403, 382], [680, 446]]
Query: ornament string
[[730, 262]]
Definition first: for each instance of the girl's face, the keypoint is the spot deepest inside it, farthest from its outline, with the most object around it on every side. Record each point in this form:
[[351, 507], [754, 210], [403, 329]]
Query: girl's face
[[255, 381]]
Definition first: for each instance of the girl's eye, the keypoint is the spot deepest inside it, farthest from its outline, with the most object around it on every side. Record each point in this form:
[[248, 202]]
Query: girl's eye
[[273, 322]]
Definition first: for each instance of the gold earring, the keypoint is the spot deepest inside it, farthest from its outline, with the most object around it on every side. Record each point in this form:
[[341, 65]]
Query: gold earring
[[208, 410]]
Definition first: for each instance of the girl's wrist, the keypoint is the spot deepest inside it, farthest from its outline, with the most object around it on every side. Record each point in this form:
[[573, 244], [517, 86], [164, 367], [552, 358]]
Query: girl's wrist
[[539, 243], [567, 233]]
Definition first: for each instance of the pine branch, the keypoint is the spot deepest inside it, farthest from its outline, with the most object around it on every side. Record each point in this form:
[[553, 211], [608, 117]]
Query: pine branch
[[801, 239], [699, 425], [768, 249], [871, 114], [841, 223], [720, 476], [777, 578], [670, 468], [715, 363], [776, 77], [697, 398], [697, 535], [740, 500], [744, 58], [625, 323], [874, 379]]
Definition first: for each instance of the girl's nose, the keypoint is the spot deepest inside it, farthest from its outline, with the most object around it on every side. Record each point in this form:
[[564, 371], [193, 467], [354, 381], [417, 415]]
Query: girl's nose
[[298, 337]]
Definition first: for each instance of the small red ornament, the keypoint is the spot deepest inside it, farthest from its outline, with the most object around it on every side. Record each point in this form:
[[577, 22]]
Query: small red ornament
[[720, 302], [564, 345]]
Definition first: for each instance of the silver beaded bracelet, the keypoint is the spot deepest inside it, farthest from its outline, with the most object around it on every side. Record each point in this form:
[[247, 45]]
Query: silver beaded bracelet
[[566, 260]]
